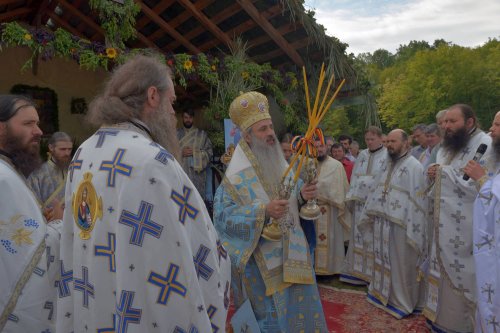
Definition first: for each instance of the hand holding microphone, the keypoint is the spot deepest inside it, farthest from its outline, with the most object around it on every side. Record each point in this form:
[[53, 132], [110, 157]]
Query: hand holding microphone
[[474, 169]]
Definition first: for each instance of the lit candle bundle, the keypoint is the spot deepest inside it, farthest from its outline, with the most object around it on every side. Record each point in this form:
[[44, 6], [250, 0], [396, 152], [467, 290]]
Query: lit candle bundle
[[304, 146]]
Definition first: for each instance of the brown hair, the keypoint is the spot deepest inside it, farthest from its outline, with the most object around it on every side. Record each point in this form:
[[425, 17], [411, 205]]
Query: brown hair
[[374, 130]]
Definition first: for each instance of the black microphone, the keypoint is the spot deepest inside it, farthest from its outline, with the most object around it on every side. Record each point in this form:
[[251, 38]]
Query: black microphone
[[479, 153]]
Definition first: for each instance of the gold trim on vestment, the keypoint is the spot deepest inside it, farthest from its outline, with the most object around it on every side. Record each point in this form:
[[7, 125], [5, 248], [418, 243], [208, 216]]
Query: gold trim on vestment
[[11, 304]]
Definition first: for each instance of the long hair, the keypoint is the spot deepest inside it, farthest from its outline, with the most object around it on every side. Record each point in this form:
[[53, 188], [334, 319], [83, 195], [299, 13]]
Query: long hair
[[126, 91]]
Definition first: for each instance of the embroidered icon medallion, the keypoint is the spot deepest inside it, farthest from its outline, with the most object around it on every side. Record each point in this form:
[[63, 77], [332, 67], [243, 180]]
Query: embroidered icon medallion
[[87, 206]]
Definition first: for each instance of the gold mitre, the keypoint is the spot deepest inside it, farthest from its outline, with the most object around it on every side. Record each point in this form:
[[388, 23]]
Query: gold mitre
[[249, 108]]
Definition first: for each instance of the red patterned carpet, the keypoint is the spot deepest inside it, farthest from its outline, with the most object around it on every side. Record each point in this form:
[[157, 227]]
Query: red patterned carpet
[[348, 311]]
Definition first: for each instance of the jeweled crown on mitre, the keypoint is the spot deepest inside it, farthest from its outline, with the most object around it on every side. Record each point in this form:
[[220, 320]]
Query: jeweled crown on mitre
[[249, 108]]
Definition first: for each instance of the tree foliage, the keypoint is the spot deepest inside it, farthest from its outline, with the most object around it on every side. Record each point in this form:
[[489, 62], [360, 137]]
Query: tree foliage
[[433, 78]]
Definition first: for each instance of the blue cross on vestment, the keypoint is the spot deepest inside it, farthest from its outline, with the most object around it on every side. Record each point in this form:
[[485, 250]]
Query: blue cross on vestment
[[108, 251], [183, 202], [13, 318], [163, 156], [211, 313], [102, 136], [63, 283], [49, 306], [116, 166], [192, 329], [84, 286], [38, 271], [126, 313], [109, 329], [50, 258], [75, 164], [221, 250], [141, 223], [168, 284], [200, 265]]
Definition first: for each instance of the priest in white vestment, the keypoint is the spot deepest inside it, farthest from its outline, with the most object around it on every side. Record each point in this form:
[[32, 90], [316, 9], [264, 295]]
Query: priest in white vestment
[[150, 259], [29, 248], [369, 164], [396, 212], [333, 226], [48, 181], [451, 292], [486, 235], [196, 149]]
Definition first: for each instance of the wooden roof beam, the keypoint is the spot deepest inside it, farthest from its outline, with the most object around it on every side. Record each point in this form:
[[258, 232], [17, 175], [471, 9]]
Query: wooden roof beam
[[65, 25], [243, 27], [283, 30], [266, 57], [74, 11], [15, 13], [181, 18], [206, 22], [216, 19], [7, 2], [271, 31], [158, 9], [42, 8], [165, 26]]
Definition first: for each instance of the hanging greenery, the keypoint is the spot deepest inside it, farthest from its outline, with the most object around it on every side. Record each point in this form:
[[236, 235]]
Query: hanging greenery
[[225, 75], [117, 20]]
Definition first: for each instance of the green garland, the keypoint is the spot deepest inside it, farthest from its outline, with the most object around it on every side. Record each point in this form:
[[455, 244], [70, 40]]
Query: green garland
[[216, 72]]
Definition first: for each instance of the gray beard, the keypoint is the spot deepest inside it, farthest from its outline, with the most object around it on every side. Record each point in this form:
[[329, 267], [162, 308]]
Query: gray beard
[[163, 129], [271, 160]]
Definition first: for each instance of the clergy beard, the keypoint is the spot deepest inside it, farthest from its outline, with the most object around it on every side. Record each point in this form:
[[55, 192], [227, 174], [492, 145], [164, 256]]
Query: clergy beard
[[321, 158], [455, 142], [270, 158], [163, 129], [187, 125], [496, 148], [24, 158], [63, 165], [394, 156]]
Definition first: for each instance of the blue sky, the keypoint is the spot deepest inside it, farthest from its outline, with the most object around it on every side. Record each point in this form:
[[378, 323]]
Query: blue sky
[[367, 25]]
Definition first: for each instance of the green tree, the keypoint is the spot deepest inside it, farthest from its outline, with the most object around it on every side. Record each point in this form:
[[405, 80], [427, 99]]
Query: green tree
[[433, 79]]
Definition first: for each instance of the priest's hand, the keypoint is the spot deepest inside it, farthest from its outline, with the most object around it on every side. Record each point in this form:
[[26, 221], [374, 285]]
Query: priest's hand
[[55, 212], [474, 170], [431, 172], [187, 151], [309, 191], [277, 208]]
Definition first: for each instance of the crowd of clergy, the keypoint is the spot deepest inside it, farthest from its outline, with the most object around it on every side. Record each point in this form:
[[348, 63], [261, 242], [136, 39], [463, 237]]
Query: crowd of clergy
[[127, 235]]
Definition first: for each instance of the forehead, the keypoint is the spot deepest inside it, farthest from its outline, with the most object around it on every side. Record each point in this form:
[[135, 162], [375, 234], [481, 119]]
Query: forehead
[[394, 136], [26, 112], [63, 144], [262, 123], [454, 114]]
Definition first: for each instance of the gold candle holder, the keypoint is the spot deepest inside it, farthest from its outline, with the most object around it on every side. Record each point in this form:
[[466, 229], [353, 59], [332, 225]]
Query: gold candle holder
[[276, 228], [311, 210]]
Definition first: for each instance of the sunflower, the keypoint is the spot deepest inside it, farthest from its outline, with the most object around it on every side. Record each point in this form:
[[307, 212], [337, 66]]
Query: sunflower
[[188, 65], [111, 52], [27, 37]]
